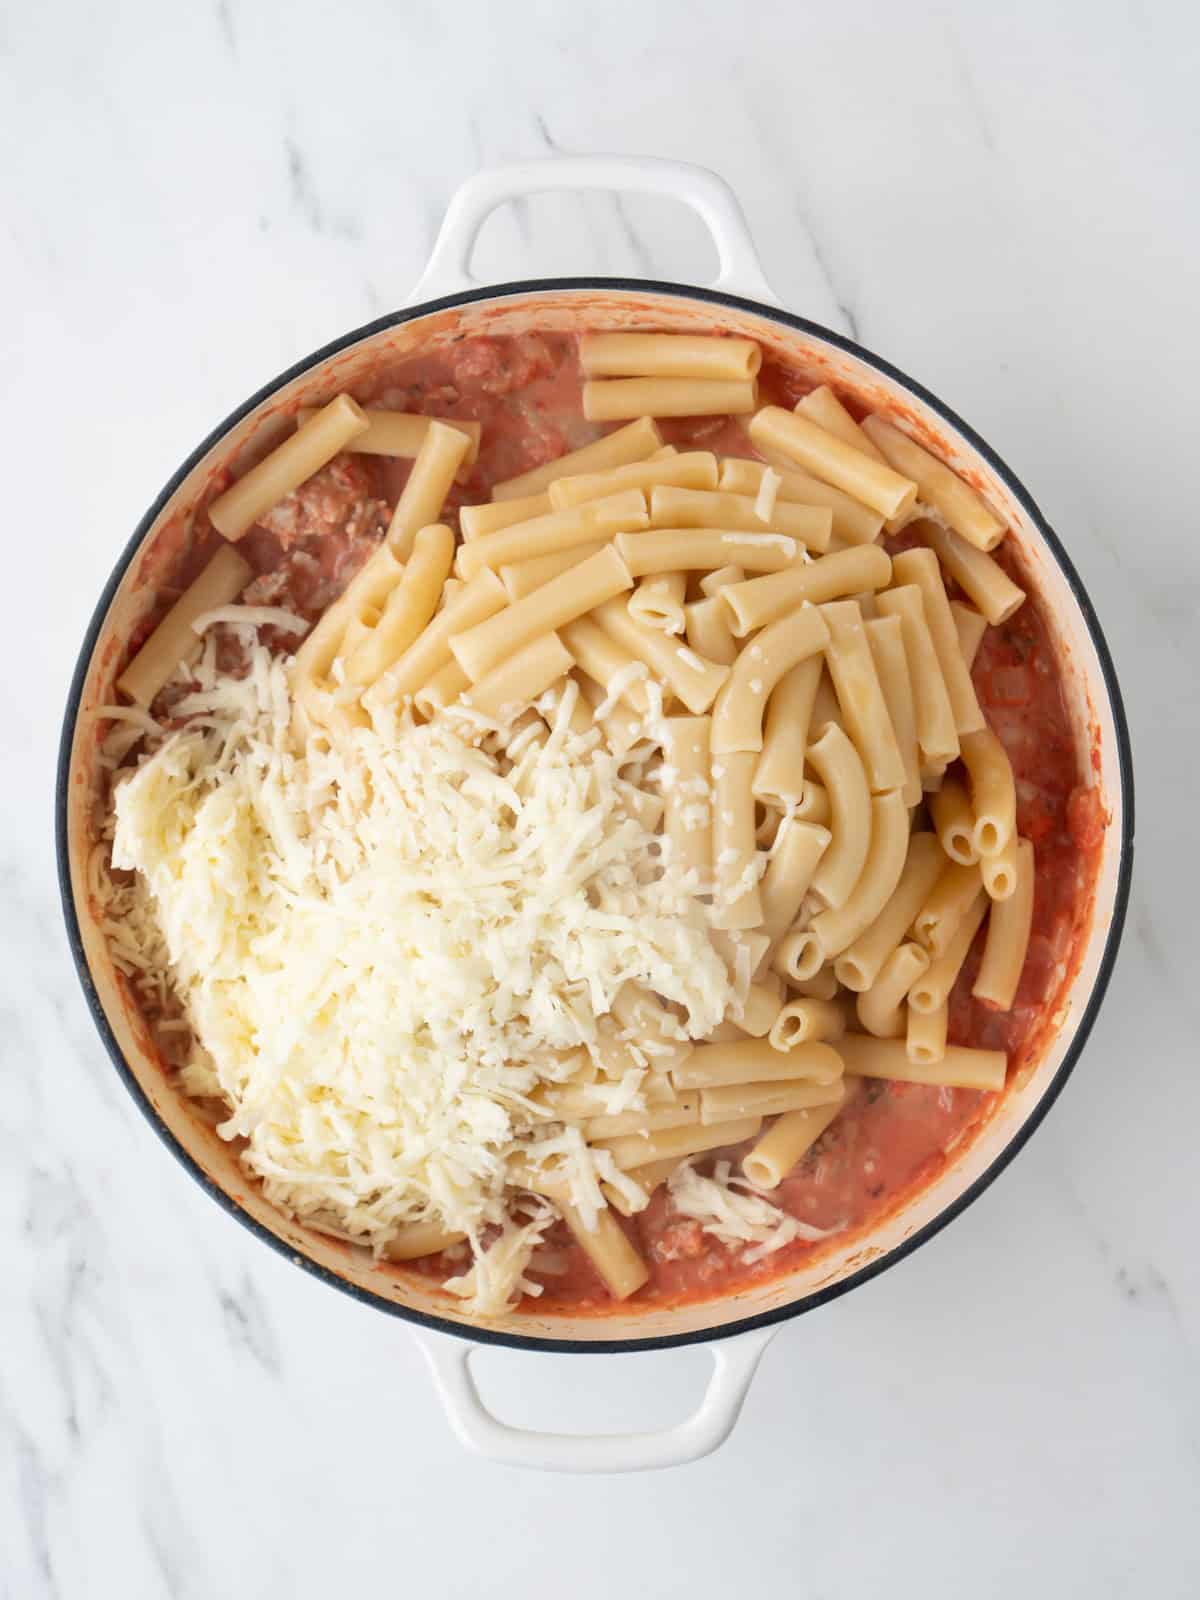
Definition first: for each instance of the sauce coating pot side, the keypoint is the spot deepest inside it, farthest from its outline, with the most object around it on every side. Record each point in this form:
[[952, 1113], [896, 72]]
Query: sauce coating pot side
[[448, 304]]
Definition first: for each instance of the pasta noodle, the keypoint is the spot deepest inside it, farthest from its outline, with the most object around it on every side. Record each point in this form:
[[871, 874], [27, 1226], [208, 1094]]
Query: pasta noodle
[[852, 668], [962, 508], [954, 822], [932, 988], [691, 549], [860, 965], [732, 1100], [759, 1010], [824, 408], [636, 1149], [420, 504], [668, 355], [838, 928], [999, 871], [475, 521], [688, 817], [694, 469], [970, 627], [980, 578], [571, 595], [410, 606], [805, 1021], [837, 763], [632, 443], [689, 676], [756, 1061], [885, 637], [735, 860], [401, 433], [738, 712], [519, 679], [707, 626], [949, 901], [523, 577], [937, 735], [1009, 924], [852, 521], [959, 1068], [881, 1008], [609, 663], [713, 582], [993, 792], [560, 530], [312, 446], [789, 873], [920, 567], [475, 602], [221, 581], [786, 1143], [925, 1036], [613, 399], [701, 508], [779, 776], [759, 601], [828, 457]]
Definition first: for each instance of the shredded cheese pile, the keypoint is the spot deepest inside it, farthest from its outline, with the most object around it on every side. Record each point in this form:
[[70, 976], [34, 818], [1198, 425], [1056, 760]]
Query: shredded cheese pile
[[735, 1212], [379, 946]]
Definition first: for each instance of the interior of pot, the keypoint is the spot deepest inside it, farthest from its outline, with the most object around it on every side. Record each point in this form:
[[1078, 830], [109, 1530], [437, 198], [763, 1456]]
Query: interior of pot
[[1094, 717]]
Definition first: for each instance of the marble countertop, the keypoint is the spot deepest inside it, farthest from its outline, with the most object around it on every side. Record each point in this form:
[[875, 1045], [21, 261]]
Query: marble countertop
[[1000, 199]]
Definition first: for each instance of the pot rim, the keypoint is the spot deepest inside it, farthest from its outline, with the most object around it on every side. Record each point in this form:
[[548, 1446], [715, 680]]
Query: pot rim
[[921, 1235]]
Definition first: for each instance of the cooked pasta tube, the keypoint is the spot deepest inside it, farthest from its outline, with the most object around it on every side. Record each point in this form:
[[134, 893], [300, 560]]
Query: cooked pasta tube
[[429, 652], [737, 902], [885, 638], [779, 776], [475, 521], [980, 578], [635, 442], [221, 581], [823, 985], [860, 965], [643, 1014], [362, 597], [787, 1141], [623, 730], [520, 678], [731, 1100], [993, 791], [925, 1035], [860, 695], [932, 988], [691, 469], [687, 793], [805, 1021], [713, 582], [949, 901], [832, 459], [658, 602], [881, 1008], [613, 399], [810, 526], [838, 927], [920, 567], [681, 1113], [401, 433], [824, 408], [607, 1247], [523, 577], [954, 822], [572, 594], [959, 1068], [813, 805], [937, 734], [966, 512], [1009, 923], [706, 623], [798, 955], [312, 446], [638, 1149], [608, 662], [838, 764], [759, 1010], [970, 627], [409, 608], [442, 689], [668, 355], [757, 602], [789, 873], [559, 530], [689, 676], [442, 453], [999, 872], [653, 1174], [699, 549], [852, 521], [739, 707], [412, 1240]]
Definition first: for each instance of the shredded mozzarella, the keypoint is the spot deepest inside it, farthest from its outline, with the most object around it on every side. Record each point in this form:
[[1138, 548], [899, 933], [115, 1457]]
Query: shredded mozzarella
[[374, 941], [736, 1212]]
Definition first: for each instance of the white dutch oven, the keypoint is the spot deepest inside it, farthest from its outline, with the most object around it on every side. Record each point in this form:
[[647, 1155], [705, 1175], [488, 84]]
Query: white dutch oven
[[449, 303]]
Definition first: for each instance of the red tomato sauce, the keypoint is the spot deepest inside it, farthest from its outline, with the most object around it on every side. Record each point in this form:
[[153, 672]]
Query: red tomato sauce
[[893, 1138]]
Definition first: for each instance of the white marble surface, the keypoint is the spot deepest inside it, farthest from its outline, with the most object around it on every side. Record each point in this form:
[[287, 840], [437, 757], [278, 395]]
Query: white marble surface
[[1003, 200]]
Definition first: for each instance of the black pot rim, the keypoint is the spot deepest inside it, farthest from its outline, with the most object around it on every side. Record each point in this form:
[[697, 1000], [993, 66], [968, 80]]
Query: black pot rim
[[923, 1234]]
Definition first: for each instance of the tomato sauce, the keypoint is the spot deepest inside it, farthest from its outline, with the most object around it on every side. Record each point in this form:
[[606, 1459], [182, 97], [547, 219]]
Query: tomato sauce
[[892, 1138]]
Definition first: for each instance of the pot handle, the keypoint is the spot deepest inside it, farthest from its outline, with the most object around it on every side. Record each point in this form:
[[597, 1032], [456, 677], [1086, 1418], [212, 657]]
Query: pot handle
[[735, 1361], [449, 267]]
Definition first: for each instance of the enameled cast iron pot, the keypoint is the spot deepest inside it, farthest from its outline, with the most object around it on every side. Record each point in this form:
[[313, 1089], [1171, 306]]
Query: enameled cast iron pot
[[448, 303]]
